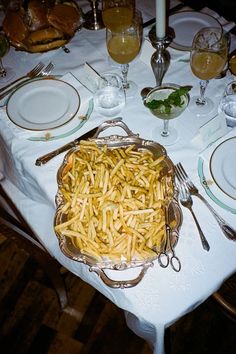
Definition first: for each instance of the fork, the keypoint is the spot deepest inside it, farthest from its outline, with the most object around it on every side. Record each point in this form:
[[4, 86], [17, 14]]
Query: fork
[[182, 176], [45, 72], [31, 74], [187, 201]]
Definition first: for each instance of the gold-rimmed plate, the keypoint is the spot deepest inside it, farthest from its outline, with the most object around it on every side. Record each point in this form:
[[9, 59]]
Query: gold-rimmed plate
[[186, 24], [223, 167], [43, 104]]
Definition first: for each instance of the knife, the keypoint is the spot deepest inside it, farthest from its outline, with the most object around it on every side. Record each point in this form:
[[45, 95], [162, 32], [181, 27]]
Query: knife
[[45, 158]]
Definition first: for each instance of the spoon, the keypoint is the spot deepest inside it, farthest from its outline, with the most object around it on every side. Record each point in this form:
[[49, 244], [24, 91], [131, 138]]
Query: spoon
[[144, 92]]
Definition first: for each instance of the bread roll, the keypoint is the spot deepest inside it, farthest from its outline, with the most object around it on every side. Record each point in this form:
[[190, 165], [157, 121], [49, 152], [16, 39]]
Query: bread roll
[[41, 25], [64, 17], [45, 39], [37, 15], [15, 28]]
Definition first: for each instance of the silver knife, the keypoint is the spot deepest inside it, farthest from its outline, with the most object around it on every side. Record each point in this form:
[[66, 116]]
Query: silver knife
[[45, 158]]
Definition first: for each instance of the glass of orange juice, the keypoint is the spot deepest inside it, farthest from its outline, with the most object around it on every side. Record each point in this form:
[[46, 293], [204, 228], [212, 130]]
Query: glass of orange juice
[[117, 15], [208, 58], [123, 46]]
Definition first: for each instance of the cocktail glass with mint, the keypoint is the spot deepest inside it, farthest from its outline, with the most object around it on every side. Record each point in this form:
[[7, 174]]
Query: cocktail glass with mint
[[167, 102]]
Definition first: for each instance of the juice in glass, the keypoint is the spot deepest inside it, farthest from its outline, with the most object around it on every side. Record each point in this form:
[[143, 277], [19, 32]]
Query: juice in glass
[[207, 65], [123, 48], [117, 18]]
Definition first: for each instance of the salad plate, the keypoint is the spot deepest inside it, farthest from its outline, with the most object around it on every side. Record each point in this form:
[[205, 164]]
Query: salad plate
[[43, 104]]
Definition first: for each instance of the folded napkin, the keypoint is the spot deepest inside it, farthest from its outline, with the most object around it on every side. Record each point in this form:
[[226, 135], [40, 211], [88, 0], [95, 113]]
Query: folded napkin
[[211, 188], [210, 132], [177, 55], [14, 131]]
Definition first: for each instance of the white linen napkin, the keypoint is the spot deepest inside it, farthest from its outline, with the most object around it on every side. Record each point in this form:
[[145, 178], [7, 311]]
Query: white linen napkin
[[210, 132], [85, 95], [177, 55]]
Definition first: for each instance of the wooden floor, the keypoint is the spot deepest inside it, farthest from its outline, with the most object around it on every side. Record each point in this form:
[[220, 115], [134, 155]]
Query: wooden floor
[[32, 322]]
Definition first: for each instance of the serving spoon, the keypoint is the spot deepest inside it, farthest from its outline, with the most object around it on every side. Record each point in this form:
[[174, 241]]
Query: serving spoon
[[144, 92]]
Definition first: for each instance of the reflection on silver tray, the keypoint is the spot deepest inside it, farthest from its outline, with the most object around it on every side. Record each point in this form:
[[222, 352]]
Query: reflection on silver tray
[[74, 253]]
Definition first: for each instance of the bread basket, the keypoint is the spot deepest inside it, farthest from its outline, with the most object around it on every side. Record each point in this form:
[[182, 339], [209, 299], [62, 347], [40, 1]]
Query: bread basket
[[41, 25]]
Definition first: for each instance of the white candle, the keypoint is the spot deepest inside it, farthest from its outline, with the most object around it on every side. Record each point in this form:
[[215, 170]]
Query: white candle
[[160, 18]]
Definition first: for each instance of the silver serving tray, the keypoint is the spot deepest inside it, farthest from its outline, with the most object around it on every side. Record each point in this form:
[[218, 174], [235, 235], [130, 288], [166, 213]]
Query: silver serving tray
[[175, 214]]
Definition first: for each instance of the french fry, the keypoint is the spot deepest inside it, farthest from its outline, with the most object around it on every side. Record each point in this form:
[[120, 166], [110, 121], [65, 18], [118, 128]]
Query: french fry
[[114, 202]]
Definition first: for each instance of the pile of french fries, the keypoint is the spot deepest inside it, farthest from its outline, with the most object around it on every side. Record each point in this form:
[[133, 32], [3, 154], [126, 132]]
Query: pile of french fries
[[114, 202]]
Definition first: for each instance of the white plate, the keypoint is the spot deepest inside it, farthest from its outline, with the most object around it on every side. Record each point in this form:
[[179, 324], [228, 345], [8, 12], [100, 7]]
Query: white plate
[[223, 166], [43, 104], [211, 188], [186, 24]]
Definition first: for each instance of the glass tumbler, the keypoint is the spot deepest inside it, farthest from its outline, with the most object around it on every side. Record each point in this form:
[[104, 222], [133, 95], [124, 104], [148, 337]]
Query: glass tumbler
[[228, 104], [109, 97]]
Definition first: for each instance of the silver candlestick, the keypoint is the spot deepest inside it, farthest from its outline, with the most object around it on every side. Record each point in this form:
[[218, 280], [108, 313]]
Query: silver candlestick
[[160, 59], [93, 18]]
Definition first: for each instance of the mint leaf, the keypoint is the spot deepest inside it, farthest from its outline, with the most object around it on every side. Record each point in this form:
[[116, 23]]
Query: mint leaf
[[174, 99]]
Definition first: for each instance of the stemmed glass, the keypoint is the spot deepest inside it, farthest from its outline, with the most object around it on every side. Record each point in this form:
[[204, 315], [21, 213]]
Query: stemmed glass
[[123, 46], [6, 74], [166, 102], [117, 14], [208, 58]]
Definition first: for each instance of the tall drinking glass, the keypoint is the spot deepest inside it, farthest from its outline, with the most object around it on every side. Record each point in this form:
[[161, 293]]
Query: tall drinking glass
[[6, 74], [208, 58], [117, 15], [123, 47]]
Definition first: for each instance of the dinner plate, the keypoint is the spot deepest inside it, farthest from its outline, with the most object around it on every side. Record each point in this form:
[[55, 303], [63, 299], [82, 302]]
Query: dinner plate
[[223, 166], [211, 188], [186, 24], [43, 104]]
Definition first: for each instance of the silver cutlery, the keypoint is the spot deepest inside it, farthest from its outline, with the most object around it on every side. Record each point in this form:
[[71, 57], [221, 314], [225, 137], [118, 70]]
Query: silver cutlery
[[31, 74], [187, 201], [167, 256], [47, 157], [183, 177], [45, 72], [95, 71]]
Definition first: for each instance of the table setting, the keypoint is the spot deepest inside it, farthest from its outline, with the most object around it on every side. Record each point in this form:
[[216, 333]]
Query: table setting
[[68, 125]]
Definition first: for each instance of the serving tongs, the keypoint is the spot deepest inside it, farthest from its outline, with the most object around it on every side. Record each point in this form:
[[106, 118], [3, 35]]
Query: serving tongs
[[167, 256]]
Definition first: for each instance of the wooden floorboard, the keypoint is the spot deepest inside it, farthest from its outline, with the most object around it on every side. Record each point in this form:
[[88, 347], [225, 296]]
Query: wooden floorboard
[[32, 321]]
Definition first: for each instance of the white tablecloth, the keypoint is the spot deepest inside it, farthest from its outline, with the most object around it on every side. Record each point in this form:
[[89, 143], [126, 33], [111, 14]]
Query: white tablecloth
[[162, 296]]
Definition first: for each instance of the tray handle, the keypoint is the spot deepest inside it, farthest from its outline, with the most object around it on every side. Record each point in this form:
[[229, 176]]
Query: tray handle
[[121, 284], [116, 122]]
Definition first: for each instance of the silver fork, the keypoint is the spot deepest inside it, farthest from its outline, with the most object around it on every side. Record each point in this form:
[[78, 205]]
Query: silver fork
[[187, 201], [182, 176], [45, 72], [31, 74]]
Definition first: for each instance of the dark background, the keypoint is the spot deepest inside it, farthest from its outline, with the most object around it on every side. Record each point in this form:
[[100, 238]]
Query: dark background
[[226, 8]]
